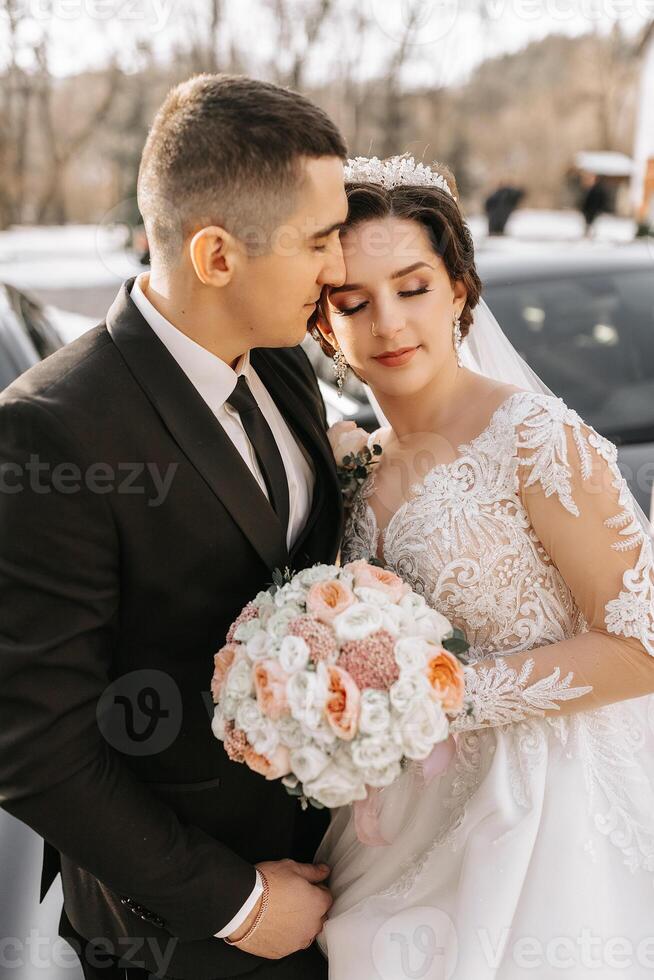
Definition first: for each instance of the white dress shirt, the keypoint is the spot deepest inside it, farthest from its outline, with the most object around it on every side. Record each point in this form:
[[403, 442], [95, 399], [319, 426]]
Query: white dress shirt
[[215, 381]]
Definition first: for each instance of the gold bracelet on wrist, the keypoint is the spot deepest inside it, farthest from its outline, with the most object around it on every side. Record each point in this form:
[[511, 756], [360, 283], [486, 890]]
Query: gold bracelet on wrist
[[260, 914]]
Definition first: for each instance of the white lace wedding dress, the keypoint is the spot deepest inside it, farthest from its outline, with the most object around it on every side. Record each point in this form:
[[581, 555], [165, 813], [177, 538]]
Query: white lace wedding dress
[[532, 855]]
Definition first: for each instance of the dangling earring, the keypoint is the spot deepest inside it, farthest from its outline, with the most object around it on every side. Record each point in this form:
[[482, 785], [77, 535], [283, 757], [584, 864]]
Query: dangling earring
[[457, 340], [341, 368]]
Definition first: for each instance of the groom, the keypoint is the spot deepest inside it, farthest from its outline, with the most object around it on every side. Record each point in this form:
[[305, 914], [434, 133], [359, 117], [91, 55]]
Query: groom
[[153, 474]]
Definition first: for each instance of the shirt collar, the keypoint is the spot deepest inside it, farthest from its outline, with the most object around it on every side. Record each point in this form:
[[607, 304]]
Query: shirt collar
[[214, 379]]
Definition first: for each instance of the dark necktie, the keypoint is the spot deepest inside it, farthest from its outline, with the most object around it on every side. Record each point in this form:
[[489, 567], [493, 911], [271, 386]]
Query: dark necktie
[[260, 435]]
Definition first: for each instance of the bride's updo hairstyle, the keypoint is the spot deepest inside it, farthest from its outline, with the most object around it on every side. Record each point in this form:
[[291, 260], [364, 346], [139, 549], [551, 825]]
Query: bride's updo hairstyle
[[440, 215]]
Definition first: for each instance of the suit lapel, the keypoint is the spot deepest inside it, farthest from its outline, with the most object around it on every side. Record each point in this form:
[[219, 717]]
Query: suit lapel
[[195, 429]]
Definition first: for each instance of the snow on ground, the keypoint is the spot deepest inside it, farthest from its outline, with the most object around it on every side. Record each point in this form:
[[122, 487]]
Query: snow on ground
[[65, 257], [567, 227]]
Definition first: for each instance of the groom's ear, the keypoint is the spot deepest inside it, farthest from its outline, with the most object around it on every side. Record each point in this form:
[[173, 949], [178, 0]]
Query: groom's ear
[[214, 254]]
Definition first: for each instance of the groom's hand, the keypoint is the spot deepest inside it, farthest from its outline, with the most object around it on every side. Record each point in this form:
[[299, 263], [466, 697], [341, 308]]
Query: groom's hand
[[297, 905]]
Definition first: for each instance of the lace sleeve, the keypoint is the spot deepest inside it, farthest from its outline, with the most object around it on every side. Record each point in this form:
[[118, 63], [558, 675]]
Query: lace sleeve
[[582, 517]]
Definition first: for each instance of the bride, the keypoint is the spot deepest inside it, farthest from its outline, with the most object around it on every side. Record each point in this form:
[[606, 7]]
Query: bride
[[532, 854]]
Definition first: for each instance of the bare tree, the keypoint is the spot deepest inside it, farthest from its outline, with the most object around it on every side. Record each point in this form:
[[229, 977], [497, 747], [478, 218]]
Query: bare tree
[[298, 33], [392, 132], [14, 113], [62, 148], [607, 84]]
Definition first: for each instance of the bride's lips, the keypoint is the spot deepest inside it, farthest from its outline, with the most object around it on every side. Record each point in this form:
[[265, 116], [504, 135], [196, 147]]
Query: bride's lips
[[396, 358]]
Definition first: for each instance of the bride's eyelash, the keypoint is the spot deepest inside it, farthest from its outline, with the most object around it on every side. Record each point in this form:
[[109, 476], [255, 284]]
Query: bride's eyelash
[[416, 292], [361, 306]]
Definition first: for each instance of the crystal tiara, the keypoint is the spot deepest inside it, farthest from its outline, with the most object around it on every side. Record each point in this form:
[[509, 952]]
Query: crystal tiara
[[399, 171]]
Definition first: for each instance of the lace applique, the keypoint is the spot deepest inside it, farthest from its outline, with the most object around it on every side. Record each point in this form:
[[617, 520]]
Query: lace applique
[[361, 533], [631, 614], [498, 695], [620, 797]]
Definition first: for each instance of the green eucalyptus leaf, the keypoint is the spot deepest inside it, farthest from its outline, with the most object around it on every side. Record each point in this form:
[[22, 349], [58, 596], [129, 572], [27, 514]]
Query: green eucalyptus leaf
[[455, 645]]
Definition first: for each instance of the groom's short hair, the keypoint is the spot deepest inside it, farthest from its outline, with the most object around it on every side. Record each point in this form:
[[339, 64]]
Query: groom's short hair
[[226, 150]]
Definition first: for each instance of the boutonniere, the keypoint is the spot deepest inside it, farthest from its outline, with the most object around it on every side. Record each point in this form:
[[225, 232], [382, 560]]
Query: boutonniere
[[355, 458]]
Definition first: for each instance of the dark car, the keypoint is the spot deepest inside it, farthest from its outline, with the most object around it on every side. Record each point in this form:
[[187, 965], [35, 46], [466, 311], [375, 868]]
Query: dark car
[[583, 318], [27, 334]]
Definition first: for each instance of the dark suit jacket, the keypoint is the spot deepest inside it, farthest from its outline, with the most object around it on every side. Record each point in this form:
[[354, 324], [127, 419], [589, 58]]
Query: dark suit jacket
[[110, 579]]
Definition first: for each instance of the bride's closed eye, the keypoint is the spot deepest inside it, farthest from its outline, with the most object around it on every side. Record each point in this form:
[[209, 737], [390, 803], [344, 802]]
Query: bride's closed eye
[[404, 293]]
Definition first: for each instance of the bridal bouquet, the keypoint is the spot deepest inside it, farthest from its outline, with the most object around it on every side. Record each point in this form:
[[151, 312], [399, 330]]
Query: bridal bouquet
[[333, 679]]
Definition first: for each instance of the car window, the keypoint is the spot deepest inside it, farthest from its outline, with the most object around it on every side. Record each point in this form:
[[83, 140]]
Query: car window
[[41, 332], [591, 339]]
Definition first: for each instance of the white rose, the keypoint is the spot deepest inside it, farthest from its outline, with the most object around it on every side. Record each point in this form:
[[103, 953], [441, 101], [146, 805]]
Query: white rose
[[433, 626], [306, 698], [290, 732], [291, 592], [336, 786], [245, 631], [265, 738], [218, 721], [412, 653], [263, 600], [308, 762], [421, 728], [293, 654], [375, 714], [357, 622], [265, 613], [370, 752], [374, 597], [346, 438], [261, 732], [414, 605], [229, 704], [408, 689], [248, 716], [441, 625], [393, 620], [238, 683], [322, 734], [319, 573], [278, 623], [382, 777], [258, 646]]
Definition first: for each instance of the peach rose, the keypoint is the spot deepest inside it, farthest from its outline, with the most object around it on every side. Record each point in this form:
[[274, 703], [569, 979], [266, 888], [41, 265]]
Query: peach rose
[[345, 438], [327, 600], [270, 686], [372, 577], [222, 661], [274, 768], [343, 703], [446, 679]]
